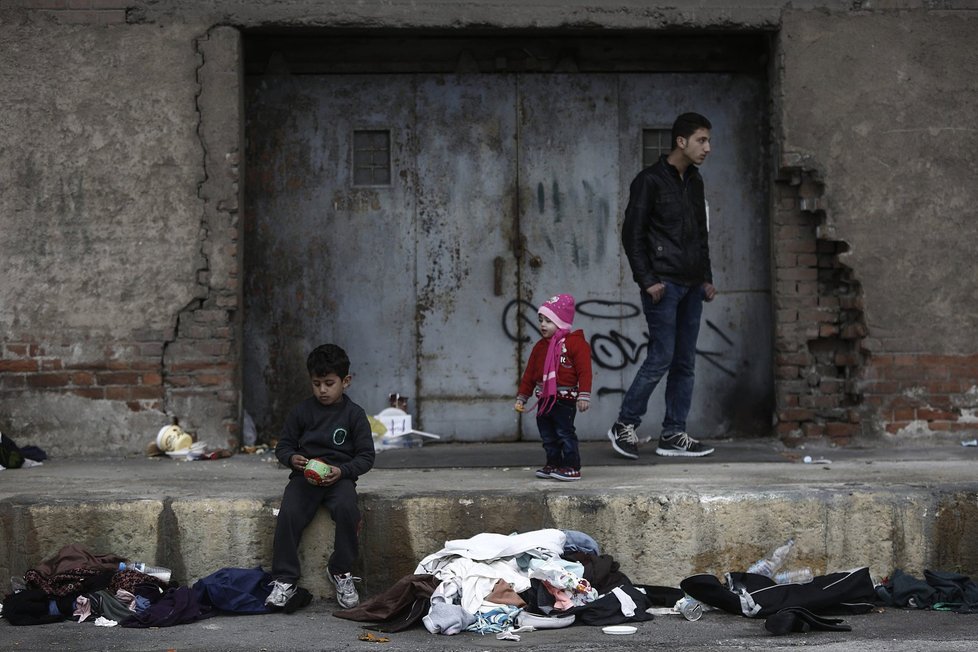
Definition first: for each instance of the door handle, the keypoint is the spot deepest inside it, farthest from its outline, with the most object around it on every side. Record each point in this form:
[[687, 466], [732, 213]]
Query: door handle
[[497, 276]]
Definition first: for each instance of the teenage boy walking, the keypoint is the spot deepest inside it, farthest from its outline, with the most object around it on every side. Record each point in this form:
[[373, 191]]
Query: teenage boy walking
[[664, 236]]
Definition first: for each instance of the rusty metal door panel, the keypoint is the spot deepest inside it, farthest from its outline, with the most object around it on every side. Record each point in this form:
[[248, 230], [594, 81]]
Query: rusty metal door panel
[[505, 189], [569, 208], [466, 270], [326, 261], [734, 381]]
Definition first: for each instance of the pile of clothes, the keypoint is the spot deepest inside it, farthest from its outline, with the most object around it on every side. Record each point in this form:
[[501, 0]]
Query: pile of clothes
[[506, 584], [76, 584]]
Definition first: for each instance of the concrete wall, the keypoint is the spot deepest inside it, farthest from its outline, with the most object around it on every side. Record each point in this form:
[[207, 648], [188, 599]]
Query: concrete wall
[[877, 127], [119, 233], [120, 130]]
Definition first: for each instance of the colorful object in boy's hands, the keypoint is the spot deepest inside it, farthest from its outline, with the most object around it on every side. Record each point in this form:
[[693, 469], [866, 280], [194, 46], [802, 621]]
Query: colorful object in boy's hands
[[316, 471]]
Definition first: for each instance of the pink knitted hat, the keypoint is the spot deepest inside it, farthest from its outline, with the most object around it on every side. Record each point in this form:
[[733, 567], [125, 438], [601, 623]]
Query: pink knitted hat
[[559, 310]]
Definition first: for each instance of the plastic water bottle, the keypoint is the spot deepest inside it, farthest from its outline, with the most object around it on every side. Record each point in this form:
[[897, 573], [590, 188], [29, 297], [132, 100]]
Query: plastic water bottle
[[769, 565], [690, 608], [158, 572], [795, 576]]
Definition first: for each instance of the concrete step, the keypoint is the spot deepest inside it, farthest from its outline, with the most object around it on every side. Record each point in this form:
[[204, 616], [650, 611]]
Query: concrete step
[[662, 519]]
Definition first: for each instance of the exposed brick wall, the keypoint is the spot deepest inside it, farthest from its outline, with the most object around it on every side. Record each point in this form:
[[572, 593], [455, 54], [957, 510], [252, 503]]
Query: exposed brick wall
[[819, 322], [922, 394], [129, 372], [90, 12], [833, 381]]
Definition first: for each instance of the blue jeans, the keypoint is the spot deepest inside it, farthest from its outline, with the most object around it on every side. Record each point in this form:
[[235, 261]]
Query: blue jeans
[[559, 436], [674, 325]]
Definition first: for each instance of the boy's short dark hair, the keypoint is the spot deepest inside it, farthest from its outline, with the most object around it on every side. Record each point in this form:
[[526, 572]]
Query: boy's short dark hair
[[687, 124], [326, 359]]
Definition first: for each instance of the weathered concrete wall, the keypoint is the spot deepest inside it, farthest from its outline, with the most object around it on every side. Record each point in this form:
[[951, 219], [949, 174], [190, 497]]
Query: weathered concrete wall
[[120, 142], [100, 218], [661, 528], [877, 125], [119, 221], [887, 118]]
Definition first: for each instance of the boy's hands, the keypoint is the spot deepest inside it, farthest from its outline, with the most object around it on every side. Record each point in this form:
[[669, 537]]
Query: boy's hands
[[299, 464], [582, 406], [331, 477], [519, 406]]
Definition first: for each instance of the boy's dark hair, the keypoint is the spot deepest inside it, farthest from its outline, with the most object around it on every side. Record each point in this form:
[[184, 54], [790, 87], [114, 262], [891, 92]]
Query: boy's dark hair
[[326, 359], [687, 124]]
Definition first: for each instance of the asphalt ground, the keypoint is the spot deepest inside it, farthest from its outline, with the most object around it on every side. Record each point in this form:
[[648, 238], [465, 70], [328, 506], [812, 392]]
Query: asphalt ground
[[315, 629]]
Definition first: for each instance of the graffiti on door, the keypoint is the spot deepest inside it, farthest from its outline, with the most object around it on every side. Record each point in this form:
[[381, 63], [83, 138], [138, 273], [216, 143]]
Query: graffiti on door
[[610, 349]]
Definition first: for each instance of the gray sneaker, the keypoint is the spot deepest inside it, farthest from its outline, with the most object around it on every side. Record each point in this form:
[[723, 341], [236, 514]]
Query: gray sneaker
[[624, 440], [680, 444], [281, 592], [346, 591]]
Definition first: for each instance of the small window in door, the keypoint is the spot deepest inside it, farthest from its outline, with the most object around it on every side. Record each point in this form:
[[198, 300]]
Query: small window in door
[[655, 143], [372, 157]]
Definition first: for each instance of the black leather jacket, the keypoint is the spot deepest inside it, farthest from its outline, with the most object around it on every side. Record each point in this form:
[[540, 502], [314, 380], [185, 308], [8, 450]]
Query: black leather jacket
[[665, 233]]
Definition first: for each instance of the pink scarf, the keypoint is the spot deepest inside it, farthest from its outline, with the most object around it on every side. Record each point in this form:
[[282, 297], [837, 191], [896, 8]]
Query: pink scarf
[[548, 394]]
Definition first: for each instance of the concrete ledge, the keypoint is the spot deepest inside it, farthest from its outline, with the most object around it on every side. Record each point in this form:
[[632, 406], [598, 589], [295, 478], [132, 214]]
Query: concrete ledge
[[662, 523]]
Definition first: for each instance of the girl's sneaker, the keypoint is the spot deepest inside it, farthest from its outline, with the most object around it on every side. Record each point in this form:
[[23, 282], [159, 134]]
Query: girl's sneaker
[[546, 472], [565, 473]]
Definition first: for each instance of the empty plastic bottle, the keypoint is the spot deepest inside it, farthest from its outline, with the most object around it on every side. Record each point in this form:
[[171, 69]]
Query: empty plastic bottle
[[795, 576], [156, 571], [690, 608], [769, 565]]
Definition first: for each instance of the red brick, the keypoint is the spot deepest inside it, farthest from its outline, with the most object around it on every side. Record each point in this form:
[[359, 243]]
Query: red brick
[[895, 426], [800, 246], [212, 379], [152, 379], [797, 274], [847, 359], [82, 378], [49, 380], [146, 392], [786, 427], [813, 430], [13, 366], [117, 378], [942, 426], [16, 349], [828, 330], [796, 414]]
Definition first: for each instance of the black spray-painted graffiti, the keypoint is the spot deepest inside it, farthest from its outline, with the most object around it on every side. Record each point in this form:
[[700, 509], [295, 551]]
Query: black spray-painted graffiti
[[610, 349]]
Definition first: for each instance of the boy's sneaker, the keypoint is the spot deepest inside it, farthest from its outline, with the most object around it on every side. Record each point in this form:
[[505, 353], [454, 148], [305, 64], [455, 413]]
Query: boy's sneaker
[[281, 593], [624, 440], [346, 592], [680, 444], [545, 471], [565, 473]]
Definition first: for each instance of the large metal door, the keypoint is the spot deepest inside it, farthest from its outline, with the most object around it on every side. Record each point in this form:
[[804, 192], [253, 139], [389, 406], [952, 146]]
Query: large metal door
[[504, 190], [327, 259]]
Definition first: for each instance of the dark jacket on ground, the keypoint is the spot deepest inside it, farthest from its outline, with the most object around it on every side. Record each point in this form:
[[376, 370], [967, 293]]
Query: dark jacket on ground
[[665, 229]]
